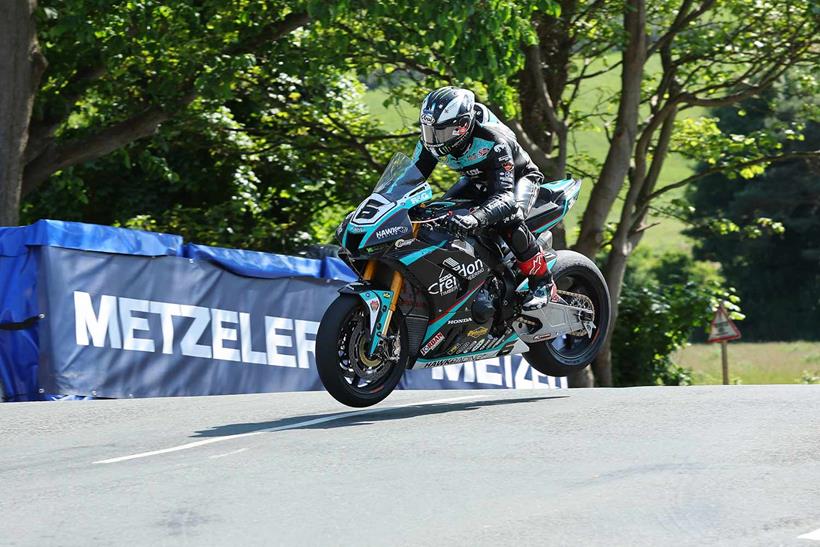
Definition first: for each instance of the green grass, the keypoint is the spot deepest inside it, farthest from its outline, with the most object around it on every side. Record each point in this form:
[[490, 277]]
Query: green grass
[[665, 236], [392, 118], [753, 363]]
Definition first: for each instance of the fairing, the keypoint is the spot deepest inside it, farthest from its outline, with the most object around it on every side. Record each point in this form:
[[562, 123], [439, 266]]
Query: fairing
[[448, 273]]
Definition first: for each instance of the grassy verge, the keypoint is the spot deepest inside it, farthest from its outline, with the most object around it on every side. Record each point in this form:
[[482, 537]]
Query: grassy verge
[[753, 363]]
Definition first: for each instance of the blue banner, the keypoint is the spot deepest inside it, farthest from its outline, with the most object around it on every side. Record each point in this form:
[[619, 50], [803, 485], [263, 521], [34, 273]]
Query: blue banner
[[188, 320], [128, 326]]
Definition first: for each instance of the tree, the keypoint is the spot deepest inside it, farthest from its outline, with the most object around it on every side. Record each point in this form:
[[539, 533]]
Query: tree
[[22, 63], [765, 230], [228, 122], [706, 53], [116, 72]]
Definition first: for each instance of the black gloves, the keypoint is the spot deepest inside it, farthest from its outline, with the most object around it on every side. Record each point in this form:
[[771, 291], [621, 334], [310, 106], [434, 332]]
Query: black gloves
[[463, 224]]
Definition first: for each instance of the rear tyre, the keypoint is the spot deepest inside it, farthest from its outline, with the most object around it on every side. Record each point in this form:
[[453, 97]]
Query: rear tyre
[[348, 374], [569, 354]]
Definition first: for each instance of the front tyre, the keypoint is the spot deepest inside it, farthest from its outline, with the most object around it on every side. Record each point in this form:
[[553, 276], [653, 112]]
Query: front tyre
[[348, 374], [568, 354]]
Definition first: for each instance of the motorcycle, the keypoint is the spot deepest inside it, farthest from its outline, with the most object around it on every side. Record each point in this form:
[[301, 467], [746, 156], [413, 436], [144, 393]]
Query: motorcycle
[[426, 297]]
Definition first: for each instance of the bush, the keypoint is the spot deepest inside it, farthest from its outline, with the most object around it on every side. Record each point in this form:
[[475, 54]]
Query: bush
[[665, 300]]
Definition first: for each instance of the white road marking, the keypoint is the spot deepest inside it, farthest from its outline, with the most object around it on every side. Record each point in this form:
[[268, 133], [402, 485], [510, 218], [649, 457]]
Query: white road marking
[[315, 421], [215, 456], [811, 535]]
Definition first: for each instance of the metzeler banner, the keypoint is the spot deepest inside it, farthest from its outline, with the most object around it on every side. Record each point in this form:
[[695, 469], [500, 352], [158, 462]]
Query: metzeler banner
[[131, 326]]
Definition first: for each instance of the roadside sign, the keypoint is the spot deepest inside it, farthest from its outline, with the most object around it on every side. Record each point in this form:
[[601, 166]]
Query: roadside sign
[[723, 329]]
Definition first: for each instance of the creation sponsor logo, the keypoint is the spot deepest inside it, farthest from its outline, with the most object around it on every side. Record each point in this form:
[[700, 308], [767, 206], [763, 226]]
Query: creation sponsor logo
[[468, 271], [392, 231], [446, 284], [132, 324], [431, 345], [478, 333]]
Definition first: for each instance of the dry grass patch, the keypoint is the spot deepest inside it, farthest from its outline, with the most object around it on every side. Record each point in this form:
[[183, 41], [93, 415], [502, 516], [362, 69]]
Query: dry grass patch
[[753, 362]]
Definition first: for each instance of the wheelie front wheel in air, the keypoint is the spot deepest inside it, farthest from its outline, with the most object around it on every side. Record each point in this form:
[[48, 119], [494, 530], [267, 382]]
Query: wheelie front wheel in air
[[581, 284], [347, 372]]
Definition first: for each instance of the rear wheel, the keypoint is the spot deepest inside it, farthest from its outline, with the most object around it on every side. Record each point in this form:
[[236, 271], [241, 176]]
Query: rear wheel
[[347, 373], [580, 283]]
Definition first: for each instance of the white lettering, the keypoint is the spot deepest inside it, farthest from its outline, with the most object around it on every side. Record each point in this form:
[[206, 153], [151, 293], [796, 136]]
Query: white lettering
[[98, 326], [220, 333], [248, 353], [483, 376], [276, 341], [508, 376], [117, 322], [522, 382], [130, 324], [452, 372], [304, 347], [166, 314], [190, 345], [536, 380]]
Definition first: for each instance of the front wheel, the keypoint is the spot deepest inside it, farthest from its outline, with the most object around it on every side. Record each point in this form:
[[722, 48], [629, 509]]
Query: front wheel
[[574, 274], [348, 374]]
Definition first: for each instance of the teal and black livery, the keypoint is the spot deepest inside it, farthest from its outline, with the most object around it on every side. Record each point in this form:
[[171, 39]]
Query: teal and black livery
[[377, 303], [380, 220], [556, 199], [458, 295]]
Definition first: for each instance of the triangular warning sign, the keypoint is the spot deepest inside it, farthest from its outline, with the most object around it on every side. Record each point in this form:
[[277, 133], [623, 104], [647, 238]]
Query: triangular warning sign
[[723, 328]]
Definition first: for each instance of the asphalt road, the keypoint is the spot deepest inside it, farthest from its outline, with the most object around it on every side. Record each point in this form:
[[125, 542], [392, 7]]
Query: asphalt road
[[736, 465]]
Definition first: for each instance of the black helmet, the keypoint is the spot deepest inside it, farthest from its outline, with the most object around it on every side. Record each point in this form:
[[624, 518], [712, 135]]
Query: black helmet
[[447, 119]]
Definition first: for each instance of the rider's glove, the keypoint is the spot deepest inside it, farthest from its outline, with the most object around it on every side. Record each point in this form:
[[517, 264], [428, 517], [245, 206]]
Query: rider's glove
[[463, 224]]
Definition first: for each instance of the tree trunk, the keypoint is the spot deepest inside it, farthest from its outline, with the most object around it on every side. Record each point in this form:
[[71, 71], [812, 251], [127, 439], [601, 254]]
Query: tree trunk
[[583, 378], [614, 274], [618, 157], [629, 232], [21, 66]]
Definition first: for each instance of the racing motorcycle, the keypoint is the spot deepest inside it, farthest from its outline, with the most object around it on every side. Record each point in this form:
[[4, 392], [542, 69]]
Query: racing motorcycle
[[426, 297]]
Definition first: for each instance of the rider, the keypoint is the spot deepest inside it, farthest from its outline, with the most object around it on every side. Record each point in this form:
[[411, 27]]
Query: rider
[[495, 170]]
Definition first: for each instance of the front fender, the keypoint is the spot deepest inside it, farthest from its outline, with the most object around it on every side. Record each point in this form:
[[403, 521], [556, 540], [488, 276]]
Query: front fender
[[377, 303]]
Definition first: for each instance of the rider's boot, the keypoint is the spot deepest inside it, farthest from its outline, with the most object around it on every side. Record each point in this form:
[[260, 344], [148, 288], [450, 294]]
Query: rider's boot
[[542, 286]]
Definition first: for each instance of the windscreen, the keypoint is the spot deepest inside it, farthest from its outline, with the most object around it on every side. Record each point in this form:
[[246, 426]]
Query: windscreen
[[399, 177]]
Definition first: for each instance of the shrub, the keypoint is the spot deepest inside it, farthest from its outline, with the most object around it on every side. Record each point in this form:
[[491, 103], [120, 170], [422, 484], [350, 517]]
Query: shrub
[[665, 300]]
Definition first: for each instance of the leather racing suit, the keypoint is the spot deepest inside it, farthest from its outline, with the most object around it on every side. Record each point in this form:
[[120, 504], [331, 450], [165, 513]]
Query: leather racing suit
[[497, 172]]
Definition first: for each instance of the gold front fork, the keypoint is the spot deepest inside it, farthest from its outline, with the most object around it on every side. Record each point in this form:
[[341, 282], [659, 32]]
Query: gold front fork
[[395, 286]]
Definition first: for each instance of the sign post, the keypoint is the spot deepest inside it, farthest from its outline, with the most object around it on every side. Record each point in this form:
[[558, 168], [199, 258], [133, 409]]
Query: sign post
[[723, 329]]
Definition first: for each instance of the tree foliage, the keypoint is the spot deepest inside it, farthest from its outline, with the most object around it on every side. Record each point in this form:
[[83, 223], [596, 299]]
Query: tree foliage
[[238, 122], [665, 302], [764, 229], [256, 144]]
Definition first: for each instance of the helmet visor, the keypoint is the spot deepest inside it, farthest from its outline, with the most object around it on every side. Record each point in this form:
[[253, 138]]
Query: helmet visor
[[447, 134], [438, 135]]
